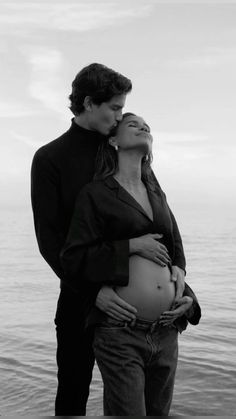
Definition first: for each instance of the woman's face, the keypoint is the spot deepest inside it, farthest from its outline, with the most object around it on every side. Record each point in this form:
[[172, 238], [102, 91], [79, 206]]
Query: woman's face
[[134, 133]]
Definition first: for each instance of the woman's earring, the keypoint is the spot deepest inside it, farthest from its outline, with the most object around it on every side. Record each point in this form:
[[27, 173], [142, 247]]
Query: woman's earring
[[116, 147], [146, 157]]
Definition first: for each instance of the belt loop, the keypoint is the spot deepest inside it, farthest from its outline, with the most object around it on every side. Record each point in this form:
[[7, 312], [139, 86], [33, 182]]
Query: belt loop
[[152, 328]]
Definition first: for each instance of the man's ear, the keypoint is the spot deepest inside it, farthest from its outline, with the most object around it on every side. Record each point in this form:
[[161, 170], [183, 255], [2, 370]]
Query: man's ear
[[87, 103]]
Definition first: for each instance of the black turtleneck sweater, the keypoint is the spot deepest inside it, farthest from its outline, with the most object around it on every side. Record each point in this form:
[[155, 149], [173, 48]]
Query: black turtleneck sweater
[[59, 170]]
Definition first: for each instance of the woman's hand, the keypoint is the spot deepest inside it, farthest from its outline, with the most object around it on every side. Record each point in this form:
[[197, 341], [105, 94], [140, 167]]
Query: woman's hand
[[149, 247], [178, 308]]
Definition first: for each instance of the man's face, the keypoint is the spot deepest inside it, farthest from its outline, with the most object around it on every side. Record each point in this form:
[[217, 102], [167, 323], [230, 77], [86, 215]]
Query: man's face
[[104, 117]]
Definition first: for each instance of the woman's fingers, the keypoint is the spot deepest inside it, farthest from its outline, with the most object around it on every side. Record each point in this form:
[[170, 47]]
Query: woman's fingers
[[159, 261], [161, 257]]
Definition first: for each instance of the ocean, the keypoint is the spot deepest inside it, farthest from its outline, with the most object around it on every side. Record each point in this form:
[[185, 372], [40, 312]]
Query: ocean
[[206, 375]]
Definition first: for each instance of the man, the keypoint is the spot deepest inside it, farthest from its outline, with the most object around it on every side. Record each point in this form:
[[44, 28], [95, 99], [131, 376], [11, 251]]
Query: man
[[59, 170]]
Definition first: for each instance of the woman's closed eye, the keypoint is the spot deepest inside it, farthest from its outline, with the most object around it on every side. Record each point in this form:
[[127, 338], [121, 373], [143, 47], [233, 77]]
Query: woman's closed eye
[[136, 125]]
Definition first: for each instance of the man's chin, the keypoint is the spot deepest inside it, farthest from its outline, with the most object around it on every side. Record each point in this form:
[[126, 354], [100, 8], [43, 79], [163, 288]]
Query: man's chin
[[105, 131]]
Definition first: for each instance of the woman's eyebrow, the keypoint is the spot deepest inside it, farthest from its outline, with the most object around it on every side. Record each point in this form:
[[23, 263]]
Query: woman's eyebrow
[[133, 121]]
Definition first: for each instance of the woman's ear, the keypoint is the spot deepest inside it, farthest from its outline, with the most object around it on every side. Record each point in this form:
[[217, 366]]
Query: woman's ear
[[112, 141]]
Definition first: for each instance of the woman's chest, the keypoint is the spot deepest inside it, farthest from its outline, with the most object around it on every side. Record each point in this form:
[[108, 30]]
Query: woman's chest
[[127, 218]]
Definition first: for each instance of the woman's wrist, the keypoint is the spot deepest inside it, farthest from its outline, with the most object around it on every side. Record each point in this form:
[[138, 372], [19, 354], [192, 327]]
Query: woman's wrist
[[189, 313], [134, 247]]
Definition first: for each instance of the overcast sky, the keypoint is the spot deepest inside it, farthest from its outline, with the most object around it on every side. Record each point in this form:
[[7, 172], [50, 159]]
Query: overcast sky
[[181, 57]]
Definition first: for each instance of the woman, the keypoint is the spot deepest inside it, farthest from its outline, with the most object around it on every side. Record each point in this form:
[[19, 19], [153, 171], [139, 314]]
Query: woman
[[137, 360]]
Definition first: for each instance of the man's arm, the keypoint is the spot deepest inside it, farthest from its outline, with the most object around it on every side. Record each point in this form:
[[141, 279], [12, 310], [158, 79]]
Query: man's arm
[[44, 198]]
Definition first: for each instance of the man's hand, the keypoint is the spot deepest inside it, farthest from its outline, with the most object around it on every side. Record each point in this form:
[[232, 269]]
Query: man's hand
[[148, 247], [177, 310], [109, 302], [178, 277]]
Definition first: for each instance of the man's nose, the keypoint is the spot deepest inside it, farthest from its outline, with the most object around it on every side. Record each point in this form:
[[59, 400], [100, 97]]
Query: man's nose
[[119, 116]]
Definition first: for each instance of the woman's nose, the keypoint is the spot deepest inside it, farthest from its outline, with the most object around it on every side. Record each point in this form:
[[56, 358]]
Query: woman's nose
[[144, 128]]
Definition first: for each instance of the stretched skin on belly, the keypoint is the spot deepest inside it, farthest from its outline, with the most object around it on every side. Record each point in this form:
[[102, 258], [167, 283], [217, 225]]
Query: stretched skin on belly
[[150, 288]]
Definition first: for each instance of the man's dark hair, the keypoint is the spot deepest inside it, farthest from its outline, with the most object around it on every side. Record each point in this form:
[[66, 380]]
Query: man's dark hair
[[100, 83]]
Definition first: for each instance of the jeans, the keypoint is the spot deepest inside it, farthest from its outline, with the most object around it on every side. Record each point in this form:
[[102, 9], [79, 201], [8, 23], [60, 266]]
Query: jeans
[[138, 365]]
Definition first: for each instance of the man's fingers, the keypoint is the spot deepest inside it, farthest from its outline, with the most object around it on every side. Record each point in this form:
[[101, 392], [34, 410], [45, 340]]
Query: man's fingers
[[116, 309], [117, 316], [117, 312], [124, 306], [121, 310]]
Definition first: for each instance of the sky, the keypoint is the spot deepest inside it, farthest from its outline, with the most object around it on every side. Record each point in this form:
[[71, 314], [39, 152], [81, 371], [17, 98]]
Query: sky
[[181, 58]]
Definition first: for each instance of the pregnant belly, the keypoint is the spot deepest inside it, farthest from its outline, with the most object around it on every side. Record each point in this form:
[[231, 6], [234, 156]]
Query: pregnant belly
[[150, 289]]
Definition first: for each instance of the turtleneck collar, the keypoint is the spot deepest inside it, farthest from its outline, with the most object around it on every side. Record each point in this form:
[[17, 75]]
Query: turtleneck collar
[[85, 134]]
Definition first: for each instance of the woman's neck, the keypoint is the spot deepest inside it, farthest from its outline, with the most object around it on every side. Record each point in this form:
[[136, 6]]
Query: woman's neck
[[129, 170]]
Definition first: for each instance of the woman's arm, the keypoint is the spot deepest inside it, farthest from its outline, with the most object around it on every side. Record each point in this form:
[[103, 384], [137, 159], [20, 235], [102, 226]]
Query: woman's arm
[[179, 257], [86, 255], [187, 306]]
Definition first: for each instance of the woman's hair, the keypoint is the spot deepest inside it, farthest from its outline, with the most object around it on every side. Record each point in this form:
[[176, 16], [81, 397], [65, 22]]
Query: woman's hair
[[106, 163], [100, 83]]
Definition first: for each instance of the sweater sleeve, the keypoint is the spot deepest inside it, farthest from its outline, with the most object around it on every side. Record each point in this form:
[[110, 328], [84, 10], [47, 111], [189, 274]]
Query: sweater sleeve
[[44, 198], [87, 256]]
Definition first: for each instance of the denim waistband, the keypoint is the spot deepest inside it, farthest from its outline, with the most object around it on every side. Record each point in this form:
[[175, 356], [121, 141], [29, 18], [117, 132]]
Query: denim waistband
[[144, 324], [141, 324]]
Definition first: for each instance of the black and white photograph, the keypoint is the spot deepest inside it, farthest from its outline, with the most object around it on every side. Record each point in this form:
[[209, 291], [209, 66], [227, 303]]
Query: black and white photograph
[[118, 203]]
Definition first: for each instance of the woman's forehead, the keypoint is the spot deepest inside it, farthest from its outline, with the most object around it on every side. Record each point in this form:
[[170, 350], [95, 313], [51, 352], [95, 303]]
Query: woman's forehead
[[134, 118]]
